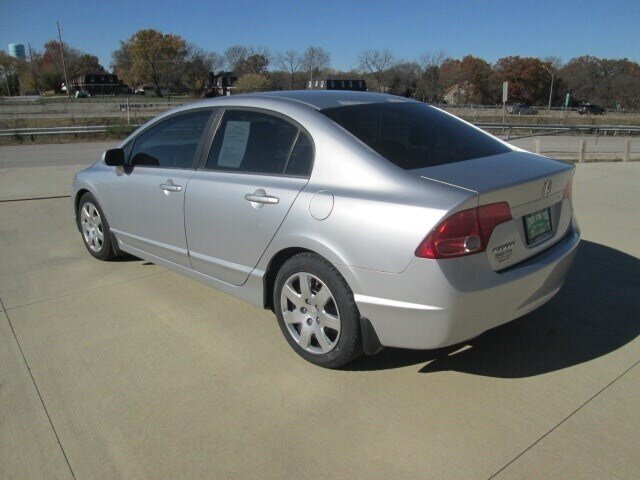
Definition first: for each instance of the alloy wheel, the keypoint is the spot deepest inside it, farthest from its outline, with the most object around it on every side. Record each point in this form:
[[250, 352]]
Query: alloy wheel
[[310, 313], [91, 224]]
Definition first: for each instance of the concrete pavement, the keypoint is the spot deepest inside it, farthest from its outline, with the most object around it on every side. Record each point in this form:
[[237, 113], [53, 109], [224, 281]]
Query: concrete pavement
[[125, 370]]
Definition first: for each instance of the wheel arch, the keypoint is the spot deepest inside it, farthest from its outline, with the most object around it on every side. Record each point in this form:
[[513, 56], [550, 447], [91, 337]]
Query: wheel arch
[[275, 263], [76, 203], [290, 245]]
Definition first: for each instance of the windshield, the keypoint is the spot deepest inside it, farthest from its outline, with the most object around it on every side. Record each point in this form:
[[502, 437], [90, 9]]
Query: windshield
[[414, 135]]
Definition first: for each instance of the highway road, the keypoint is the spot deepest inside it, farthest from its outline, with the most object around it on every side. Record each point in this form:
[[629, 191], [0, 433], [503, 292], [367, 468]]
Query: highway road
[[125, 370], [61, 154]]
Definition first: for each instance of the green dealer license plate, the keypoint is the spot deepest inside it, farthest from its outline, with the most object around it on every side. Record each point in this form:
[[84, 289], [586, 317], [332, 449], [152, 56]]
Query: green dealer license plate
[[537, 225]]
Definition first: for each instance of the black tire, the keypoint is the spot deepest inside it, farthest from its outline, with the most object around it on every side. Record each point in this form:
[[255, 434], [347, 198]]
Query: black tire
[[102, 250], [348, 343]]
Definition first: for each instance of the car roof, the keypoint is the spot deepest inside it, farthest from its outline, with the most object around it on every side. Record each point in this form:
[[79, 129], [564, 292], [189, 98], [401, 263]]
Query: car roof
[[318, 99]]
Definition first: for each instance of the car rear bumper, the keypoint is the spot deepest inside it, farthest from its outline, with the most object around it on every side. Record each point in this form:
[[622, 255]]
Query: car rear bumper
[[434, 304]]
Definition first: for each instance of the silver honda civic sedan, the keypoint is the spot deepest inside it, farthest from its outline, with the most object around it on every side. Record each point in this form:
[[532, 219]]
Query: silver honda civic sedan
[[362, 220]]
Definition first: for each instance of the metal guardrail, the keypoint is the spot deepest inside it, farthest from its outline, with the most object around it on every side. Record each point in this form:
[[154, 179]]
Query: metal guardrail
[[540, 108], [554, 129], [550, 129], [52, 130], [542, 126], [58, 130]]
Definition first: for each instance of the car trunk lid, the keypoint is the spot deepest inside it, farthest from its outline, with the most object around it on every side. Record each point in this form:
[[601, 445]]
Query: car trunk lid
[[532, 185]]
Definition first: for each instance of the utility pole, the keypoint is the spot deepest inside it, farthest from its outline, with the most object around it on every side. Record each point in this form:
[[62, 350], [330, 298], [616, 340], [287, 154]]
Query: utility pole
[[64, 67]]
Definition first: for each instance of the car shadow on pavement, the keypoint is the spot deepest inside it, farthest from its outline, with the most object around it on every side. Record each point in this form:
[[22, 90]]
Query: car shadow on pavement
[[596, 312], [126, 257]]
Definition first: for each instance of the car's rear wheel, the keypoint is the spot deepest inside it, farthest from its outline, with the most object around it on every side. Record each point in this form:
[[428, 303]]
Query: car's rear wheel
[[316, 311], [94, 227]]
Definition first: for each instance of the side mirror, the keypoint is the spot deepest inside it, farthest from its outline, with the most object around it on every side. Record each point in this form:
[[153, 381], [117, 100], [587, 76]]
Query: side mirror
[[114, 157]]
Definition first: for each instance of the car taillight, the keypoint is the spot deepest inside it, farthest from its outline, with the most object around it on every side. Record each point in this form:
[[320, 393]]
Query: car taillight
[[568, 190], [464, 233]]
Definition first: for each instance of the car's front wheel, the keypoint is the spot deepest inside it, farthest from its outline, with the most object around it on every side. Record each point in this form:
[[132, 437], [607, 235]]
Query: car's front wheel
[[316, 311], [94, 228]]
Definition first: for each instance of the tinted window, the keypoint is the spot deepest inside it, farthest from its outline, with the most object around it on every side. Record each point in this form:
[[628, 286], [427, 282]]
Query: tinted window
[[301, 159], [414, 135], [257, 142], [171, 143]]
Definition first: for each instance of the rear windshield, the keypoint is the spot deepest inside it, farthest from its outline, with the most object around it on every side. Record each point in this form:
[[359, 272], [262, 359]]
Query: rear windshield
[[414, 135]]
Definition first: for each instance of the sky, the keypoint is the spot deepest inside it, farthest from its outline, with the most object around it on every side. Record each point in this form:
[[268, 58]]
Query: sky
[[490, 29]]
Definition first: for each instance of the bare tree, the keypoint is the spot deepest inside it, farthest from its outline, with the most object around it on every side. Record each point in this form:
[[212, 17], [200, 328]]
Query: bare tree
[[315, 60], [196, 68], [260, 50], [403, 78], [235, 54], [432, 59], [377, 63], [254, 63], [291, 62]]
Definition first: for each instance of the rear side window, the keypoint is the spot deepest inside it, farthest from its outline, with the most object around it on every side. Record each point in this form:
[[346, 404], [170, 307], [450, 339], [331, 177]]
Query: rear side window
[[256, 142], [172, 143], [413, 135]]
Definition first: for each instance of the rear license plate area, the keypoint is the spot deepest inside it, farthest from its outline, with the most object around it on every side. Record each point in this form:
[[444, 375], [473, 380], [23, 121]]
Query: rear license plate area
[[537, 226]]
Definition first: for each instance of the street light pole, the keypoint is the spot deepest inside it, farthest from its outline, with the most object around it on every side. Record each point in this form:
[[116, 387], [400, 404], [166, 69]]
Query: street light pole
[[551, 71], [64, 68], [553, 74]]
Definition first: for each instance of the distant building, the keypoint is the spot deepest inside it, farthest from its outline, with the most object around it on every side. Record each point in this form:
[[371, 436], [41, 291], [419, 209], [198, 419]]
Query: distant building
[[455, 94], [462, 93], [223, 83], [16, 50], [98, 83], [337, 83]]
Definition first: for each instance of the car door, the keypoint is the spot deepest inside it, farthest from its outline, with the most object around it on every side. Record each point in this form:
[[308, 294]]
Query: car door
[[147, 195], [237, 200]]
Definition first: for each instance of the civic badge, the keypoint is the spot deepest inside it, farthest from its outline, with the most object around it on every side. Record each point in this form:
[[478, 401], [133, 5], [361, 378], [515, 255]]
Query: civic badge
[[547, 188]]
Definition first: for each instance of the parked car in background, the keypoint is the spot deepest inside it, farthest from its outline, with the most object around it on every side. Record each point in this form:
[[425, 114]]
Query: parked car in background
[[591, 109], [521, 109], [418, 235]]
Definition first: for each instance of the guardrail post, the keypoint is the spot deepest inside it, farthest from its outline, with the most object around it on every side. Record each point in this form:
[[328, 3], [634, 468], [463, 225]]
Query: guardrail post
[[627, 150], [536, 145], [583, 150]]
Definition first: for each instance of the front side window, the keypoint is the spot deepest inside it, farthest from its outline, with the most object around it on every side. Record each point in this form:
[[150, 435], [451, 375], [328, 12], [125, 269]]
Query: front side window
[[172, 143], [256, 142], [413, 135]]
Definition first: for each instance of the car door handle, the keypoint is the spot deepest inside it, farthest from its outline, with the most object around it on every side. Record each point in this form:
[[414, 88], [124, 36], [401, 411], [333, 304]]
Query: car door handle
[[170, 187], [266, 199]]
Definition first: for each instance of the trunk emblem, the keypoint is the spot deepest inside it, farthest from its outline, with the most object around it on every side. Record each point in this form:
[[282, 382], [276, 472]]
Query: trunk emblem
[[547, 188]]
